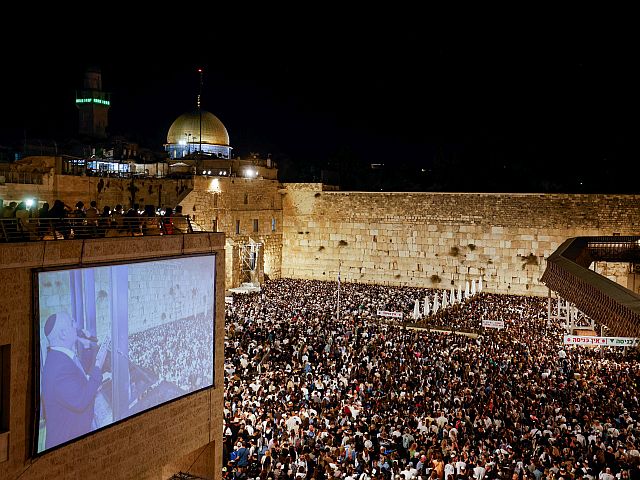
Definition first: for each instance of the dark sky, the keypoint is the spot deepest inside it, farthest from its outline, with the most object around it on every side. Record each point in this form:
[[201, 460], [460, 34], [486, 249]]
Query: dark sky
[[440, 112]]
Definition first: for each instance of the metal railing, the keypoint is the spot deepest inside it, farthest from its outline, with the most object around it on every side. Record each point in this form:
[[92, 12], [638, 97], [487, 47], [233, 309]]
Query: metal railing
[[37, 229], [8, 176]]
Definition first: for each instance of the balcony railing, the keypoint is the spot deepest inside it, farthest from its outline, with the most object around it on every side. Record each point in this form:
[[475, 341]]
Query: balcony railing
[[37, 229], [7, 176]]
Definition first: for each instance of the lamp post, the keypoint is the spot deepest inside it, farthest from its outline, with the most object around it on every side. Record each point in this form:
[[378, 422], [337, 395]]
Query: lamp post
[[188, 135], [200, 71]]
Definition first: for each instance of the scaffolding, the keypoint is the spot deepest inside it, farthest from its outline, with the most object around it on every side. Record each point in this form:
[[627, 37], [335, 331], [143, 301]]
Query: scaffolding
[[249, 265], [567, 314]]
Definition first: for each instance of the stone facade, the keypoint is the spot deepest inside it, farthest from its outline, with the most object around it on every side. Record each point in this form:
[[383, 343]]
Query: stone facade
[[213, 204], [422, 239], [619, 272], [247, 210], [104, 190], [440, 239], [183, 435]]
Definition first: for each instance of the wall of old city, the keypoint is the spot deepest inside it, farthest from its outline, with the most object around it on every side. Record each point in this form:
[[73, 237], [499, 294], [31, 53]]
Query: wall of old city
[[440, 239], [429, 239], [233, 205], [182, 436], [104, 190]]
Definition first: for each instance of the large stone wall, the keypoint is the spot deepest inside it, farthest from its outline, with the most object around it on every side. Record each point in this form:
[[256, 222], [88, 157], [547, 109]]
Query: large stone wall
[[434, 239], [619, 272], [429, 239], [183, 435]]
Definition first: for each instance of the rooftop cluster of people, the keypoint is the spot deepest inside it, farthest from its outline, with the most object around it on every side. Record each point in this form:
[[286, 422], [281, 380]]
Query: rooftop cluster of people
[[310, 394], [21, 223]]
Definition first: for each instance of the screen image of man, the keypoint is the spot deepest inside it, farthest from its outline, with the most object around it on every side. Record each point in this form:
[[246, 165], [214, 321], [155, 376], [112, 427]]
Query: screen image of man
[[68, 391]]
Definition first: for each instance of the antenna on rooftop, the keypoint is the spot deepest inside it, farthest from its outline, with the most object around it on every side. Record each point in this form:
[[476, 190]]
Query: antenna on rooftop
[[201, 72]]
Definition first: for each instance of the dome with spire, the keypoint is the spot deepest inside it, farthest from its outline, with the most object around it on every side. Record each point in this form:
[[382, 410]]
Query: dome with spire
[[184, 135]]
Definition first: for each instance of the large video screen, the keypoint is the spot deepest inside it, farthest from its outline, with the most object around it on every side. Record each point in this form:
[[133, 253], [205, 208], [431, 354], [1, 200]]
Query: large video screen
[[120, 339]]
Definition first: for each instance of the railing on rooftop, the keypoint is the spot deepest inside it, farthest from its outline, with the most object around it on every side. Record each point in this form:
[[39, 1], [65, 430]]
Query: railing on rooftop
[[38, 229], [8, 176], [614, 249]]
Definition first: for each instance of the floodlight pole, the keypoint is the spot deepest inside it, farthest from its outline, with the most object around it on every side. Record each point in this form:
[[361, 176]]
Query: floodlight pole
[[200, 116]]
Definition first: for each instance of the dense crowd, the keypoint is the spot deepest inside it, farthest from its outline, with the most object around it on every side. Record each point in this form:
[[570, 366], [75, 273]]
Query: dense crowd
[[20, 222], [311, 395], [178, 352]]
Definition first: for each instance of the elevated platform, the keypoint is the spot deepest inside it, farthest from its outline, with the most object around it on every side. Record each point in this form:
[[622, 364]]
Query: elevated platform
[[601, 299], [247, 288]]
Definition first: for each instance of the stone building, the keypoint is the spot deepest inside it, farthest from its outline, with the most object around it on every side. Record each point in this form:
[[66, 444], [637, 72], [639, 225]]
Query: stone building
[[184, 435]]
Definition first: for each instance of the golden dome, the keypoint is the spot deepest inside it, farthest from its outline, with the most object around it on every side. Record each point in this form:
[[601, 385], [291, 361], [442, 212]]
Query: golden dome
[[186, 128]]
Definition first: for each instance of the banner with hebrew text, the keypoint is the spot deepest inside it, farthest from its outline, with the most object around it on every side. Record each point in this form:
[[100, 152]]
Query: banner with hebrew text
[[601, 341]]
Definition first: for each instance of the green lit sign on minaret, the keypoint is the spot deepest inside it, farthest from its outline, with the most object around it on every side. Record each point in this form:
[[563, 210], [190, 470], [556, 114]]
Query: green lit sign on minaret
[[93, 105], [93, 100]]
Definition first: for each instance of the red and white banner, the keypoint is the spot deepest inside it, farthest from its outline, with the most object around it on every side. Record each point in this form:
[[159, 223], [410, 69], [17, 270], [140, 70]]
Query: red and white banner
[[601, 341]]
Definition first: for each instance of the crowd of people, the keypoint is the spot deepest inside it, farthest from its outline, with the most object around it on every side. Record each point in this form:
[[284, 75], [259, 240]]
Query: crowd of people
[[178, 352], [60, 221], [312, 394]]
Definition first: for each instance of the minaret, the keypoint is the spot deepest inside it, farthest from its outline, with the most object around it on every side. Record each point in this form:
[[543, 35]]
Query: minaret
[[93, 105]]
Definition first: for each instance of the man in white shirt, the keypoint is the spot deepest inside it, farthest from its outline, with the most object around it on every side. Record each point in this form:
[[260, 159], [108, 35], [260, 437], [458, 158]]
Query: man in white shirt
[[479, 472], [449, 469], [460, 465], [606, 475]]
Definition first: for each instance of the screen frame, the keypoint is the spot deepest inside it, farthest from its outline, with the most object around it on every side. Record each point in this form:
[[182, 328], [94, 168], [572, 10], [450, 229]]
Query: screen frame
[[36, 363]]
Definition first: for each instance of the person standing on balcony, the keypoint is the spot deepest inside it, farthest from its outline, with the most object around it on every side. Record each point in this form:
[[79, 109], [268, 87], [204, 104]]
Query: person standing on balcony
[[180, 222]]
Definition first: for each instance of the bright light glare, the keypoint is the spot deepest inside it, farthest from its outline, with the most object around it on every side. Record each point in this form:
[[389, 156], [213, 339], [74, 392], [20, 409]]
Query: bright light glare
[[214, 186], [29, 202]]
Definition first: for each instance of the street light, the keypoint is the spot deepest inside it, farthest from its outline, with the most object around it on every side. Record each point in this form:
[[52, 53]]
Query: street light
[[188, 135]]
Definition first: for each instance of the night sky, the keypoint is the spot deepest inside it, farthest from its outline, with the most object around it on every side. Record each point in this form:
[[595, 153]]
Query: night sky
[[446, 113]]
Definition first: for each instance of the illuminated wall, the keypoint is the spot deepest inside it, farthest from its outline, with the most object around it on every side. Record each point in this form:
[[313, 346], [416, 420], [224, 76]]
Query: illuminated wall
[[434, 239]]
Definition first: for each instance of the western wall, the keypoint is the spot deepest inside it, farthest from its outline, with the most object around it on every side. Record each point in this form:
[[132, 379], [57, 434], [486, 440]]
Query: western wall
[[306, 230], [442, 239]]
